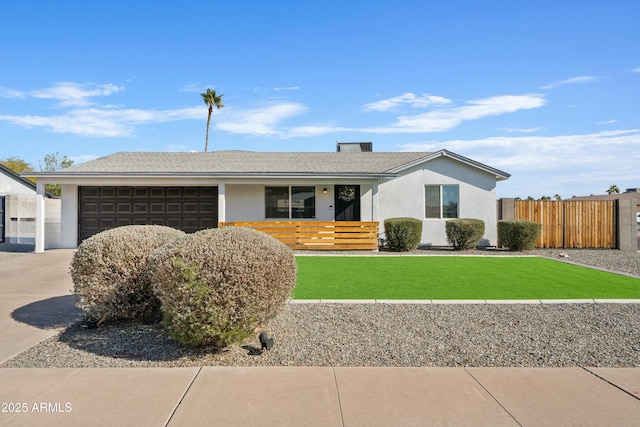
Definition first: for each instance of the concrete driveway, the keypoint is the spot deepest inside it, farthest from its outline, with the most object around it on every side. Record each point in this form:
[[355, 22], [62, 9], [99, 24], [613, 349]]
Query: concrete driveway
[[35, 299]]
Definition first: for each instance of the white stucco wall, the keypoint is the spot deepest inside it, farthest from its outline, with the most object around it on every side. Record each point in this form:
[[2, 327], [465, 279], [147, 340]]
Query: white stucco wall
[[404, 196], [246, 202], [69, 215]]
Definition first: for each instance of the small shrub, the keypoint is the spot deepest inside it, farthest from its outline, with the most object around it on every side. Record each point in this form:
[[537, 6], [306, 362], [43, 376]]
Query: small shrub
[[402, 234], [464, 233], [109, 273], [518, 234], [218, 285]]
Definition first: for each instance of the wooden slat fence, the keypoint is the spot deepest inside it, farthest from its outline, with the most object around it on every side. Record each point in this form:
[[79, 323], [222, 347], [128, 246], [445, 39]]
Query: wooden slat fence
[[571, 223], [315, 235]]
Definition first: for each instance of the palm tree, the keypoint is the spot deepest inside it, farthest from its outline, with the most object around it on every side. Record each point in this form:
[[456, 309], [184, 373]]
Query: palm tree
[[211, 99], [613, 190]]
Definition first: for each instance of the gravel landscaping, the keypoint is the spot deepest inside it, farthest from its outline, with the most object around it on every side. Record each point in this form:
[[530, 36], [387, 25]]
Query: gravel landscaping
[[554, 335]]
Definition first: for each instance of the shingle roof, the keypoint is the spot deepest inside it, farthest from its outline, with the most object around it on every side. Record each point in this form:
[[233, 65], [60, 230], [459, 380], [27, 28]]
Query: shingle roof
[[248, 162], [252, 164]]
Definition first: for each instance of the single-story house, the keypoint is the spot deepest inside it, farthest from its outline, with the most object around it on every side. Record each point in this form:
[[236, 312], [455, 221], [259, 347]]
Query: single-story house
[[18, 210], [196, 190]]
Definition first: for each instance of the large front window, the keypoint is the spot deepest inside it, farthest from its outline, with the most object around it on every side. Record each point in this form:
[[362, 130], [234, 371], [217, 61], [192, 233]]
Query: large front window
[[441, 201], [290, 202]]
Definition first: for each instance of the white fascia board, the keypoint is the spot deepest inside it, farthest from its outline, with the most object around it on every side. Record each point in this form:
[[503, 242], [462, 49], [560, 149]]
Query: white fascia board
[[80, 177]]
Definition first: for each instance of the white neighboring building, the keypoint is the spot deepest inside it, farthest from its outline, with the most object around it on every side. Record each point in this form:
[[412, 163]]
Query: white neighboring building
[[18, 211]]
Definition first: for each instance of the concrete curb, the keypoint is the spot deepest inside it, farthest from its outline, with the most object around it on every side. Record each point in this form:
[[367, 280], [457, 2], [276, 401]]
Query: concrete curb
[[470, 301]]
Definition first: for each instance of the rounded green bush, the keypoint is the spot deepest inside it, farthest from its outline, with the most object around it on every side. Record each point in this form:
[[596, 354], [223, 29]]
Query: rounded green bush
[[109, 273], [464, 233], [518, 234], [216, 286], [402, 234]]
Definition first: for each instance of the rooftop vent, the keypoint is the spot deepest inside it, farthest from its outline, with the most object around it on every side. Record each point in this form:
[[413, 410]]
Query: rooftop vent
[[354, 147]]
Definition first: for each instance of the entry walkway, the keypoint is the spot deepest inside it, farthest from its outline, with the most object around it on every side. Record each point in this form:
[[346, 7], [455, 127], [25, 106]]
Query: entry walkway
[[35, 303]]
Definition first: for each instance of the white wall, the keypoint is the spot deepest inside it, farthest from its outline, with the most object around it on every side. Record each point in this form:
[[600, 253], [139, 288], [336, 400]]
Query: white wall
[[404, 197], [20, 219], [69, 216], [245, 202]]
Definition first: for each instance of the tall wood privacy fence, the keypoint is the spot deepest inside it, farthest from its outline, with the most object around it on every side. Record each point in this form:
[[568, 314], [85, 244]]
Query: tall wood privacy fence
[[572, 224], [315, 235]]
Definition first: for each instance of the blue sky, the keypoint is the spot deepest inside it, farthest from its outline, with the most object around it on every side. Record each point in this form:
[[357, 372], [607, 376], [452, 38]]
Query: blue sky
[[545, 90]]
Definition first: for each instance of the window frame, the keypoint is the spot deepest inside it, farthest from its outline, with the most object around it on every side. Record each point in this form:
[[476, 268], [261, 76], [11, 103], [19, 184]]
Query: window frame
[[292, 204], [441, 196]]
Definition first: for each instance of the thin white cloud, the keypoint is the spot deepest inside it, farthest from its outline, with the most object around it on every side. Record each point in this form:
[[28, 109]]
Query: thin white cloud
[[97, 122], [191, 88], [445, 119], [71, 94], [519, 130], [607, 122], [260, 121], [285, 88], [6, 92], [571, 81], [636, 70], [410, 99]]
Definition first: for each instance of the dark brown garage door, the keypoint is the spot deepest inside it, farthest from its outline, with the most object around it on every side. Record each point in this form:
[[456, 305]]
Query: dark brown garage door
[[186, 208]]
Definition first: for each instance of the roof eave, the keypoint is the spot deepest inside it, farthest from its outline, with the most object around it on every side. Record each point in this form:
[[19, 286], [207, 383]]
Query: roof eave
[[218, 175]]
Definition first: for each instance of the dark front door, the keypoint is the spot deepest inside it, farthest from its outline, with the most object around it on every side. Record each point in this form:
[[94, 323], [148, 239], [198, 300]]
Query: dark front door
[[347, 202]]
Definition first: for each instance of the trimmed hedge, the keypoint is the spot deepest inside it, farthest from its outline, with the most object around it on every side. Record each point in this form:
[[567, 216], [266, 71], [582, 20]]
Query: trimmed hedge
[[109, 273], [518, 234], [402, 234], [218, 285], [464, 233]]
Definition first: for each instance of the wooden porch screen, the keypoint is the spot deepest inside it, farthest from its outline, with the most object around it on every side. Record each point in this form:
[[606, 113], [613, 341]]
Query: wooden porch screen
[[316, 235]]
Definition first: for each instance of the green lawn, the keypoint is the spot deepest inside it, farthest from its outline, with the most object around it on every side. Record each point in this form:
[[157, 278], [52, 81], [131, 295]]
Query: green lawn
[[435, 277]]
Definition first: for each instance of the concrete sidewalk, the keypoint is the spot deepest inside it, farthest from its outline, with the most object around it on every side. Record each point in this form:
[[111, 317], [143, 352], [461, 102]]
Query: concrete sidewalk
[[281, 396], [35, 302]]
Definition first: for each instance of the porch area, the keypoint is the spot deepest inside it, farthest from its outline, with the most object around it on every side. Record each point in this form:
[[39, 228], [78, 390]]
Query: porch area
[[317, 235]]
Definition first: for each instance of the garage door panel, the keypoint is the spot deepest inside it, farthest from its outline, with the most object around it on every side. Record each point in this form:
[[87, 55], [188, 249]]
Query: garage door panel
[[157, 208], [157, 192], [91, 207], [173, 208], [107, 208], [174, 222], [186, 208], [124, 192], [140, 208], [173, 192]]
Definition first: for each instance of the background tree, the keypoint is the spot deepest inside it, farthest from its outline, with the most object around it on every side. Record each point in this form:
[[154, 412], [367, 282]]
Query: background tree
[[613, 190], [17, 165], [212, 100], [558, 198], [52, 163]]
